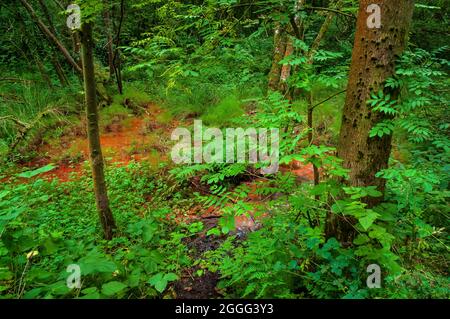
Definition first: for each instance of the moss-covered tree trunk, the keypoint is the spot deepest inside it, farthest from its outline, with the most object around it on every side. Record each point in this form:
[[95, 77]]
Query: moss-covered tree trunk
[[279, 47], [374, 54], [96, 157]]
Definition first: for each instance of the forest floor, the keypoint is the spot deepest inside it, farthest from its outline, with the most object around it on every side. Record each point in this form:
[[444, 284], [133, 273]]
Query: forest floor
[[146, 138]]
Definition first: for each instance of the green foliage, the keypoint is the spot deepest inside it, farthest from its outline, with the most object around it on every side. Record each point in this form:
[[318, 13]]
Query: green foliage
[[210, 60], [31, 108], [224, 113], [287, 258], [419, 112], [46, 226]]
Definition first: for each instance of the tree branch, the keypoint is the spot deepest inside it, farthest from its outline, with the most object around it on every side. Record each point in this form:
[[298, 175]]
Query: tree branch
[[326, 100], [51, 36]]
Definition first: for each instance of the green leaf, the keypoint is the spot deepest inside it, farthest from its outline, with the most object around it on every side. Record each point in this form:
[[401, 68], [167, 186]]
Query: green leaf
[[373, 192], [33, 293], [134, 278], [159, 281], [213, 231], [158, 277], [170, 276], [160, 286], [59, 288], [89, 290], [5, 274], [96, 262], [29, 174], [361, 239], [368, 220], [93, 295], [112, 288], [4, 193]]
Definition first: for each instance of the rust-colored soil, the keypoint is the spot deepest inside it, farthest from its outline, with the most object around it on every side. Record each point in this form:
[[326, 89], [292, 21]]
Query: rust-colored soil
[[137, 138], [143, 139]]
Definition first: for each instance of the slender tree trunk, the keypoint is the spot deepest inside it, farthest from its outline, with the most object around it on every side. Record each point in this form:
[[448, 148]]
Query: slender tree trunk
[[279, 43], [48, 17], [286, 68], [96, 157], [76, 42], [43, 71], [310, 136], [323, 30], [116, 57], [55, 61], [118, 70], [310, 61], [109, 39], [374, 54], [52, 38], [59, 71]]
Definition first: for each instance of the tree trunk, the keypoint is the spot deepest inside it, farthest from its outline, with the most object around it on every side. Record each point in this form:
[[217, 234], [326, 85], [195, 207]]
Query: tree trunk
[[55, 61], [374, 54], [116, 57], [75, 42], [43, 71], [286, 68], [310, 61], [59, 71], [109, 39], [279, 43], [96, 157]]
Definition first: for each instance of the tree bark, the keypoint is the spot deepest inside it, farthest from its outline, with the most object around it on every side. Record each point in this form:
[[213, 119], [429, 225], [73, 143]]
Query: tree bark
[[286, 68], [373, 61], [96, 157], [279, 42], [75, 42], [109, 39]]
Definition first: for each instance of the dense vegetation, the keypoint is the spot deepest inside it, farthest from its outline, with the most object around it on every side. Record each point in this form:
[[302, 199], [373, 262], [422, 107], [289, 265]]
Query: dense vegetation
[[348, 194]]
